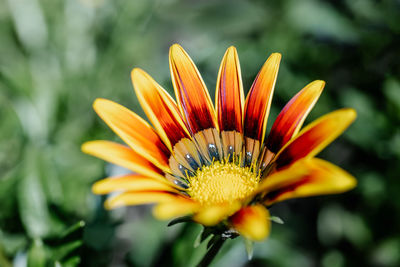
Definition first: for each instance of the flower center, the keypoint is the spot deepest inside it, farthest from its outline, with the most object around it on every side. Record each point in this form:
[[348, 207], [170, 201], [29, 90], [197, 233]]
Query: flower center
[[222, 182]]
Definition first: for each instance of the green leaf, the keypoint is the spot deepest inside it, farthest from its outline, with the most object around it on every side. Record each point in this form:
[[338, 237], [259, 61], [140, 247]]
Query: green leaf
[[320, 18], [65, 250], [11, 243], [215, 239], [392, 92], [72, 229], [66, 245], [72, 262], [197, 241], [180, 220], [203, 235], [8, 193], [37, 254], [31, 198], [4, 261]]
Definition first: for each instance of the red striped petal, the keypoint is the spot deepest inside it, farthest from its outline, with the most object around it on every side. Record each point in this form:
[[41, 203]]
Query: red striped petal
[[229, 97], [139, 198], [191, 92], [323, 178], [315, 137], [292, 116], [258, 101], [160, 108], [135, 132], [122, 156], [131, 182]]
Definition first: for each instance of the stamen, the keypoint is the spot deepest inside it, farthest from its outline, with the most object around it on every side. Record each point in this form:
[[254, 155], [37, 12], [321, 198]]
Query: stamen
[[185, 172], [216, 168], [222, 182]]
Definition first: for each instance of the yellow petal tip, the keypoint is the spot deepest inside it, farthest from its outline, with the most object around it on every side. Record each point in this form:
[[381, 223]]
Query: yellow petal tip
[[97, 188], [349, 114], [320, 83], [277, 56], [353, 113], [137, 72], [98, 103], [108, 205], [113, 202], [176, 48], [231, 49], [85, 147], [352, 183]]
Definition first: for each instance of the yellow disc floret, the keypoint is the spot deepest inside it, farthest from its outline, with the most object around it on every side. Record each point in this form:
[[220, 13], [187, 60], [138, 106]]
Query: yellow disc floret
[[222, 182]]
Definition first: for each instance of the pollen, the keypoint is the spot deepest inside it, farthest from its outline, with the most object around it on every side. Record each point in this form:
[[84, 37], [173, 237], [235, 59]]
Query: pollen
[[222, 182]]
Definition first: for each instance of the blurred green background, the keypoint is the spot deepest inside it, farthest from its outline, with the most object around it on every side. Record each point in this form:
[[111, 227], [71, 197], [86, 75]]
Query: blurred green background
[[57, 56]]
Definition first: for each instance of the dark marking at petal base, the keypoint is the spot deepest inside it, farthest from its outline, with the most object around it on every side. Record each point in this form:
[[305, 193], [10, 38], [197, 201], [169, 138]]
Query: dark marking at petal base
[[181, 183], [213, 152], [185, 171], [248, 158], [192, 162], [231, 153]]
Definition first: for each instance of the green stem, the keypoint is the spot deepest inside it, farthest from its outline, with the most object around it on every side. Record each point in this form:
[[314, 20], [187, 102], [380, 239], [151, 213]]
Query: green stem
[[211, 253]]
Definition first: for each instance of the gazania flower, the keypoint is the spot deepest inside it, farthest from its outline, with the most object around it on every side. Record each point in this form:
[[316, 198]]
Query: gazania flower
[[216, 165]]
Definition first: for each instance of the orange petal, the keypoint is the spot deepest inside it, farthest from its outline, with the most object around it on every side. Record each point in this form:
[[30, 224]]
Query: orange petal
[[132, 182], [315, 136], [212, 215], [160, 108], [122, 156], [229, 97], [137, 133], [292, 116], [139, 198], [252, 222], [176, 208], [258, 100], [192, 95], [324, 178]]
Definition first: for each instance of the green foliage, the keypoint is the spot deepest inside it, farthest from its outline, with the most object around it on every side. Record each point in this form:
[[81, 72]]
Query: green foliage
[[57, 56]]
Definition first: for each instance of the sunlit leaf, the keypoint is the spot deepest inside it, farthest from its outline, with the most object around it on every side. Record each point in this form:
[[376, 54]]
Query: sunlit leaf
[[31, 199]]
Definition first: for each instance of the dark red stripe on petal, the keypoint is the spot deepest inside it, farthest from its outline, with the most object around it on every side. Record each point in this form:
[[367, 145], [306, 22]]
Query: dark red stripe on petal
[[293, 115], [258, 101], [136, 132], [275, 195], [229, 93], [191, 92], [315, 137], [159, 108], [323, 178]]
